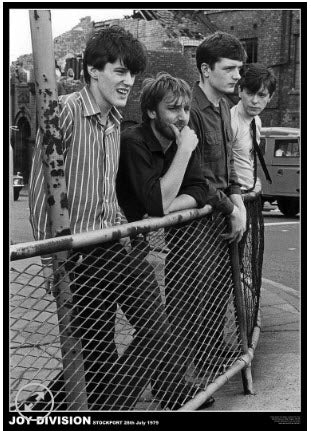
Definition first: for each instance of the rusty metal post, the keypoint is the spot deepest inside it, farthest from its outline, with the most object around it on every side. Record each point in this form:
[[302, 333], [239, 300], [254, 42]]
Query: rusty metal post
[[11, 180], [53, 165], [241, 314], [11, 153]]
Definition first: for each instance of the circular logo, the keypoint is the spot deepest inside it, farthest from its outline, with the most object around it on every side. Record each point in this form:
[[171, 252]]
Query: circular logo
[[44, 395]]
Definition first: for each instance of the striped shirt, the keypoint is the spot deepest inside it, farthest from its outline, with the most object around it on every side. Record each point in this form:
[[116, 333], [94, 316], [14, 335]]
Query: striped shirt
[[91, 153]]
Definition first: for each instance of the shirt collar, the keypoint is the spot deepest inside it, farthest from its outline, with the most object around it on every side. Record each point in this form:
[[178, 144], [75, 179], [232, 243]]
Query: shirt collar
[[90, 106], [201, 99], [241, 113]]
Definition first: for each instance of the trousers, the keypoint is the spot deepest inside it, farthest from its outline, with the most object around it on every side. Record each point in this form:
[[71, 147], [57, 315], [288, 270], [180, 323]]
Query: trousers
[[101, 279], [198, 289]]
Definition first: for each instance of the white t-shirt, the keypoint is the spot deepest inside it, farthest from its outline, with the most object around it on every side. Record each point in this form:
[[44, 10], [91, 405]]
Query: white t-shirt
[[242, 147]]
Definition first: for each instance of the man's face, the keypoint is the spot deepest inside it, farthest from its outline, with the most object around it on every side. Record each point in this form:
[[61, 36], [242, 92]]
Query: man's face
[[114, 84], [224, 76], [254, 103], [170, 110]]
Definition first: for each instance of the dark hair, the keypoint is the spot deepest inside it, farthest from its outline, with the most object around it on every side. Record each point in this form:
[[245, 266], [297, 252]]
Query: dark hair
[[254, 76], [219, 45], [155, 89], [110, 44]]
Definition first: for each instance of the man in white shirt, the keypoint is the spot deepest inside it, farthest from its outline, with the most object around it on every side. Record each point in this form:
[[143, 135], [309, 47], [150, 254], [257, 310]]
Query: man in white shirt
[[256, 88]]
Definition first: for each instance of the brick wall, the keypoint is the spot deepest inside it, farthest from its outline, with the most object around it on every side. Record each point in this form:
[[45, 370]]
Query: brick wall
[[73, 41], [161, 34], [275, 30], [151, 33], [246, 24], [171, 62]]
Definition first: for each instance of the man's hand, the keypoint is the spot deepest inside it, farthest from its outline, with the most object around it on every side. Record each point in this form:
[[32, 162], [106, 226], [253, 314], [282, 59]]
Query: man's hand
[[237, 224], [171, 181], [186, 138]]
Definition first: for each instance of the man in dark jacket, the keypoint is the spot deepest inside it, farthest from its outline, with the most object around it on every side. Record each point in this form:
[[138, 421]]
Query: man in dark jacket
[[219, 59], [159, 173]]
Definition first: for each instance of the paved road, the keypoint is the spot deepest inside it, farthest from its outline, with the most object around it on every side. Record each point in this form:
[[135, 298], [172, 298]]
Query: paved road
[[282, 252], [20, 229]]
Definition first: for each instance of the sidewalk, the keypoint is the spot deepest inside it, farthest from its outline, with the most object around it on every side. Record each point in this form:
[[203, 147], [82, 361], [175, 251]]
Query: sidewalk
[[276, 363]]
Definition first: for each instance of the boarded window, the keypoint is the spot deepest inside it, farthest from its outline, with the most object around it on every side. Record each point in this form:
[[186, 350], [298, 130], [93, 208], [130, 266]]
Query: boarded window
[[251, 47]]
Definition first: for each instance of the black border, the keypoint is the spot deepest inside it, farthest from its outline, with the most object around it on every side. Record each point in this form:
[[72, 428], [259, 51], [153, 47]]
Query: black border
[[174, 420]]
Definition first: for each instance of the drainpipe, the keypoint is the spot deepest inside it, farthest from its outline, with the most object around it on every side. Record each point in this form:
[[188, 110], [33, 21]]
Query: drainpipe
[[58, 215]]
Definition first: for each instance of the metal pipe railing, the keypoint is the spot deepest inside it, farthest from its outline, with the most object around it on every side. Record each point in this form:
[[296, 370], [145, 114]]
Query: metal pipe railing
[[241, 364], [76, 241]]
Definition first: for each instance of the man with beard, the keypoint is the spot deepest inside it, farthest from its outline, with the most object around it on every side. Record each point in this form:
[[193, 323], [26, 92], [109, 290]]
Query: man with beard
[[159, 170], [159, 173]]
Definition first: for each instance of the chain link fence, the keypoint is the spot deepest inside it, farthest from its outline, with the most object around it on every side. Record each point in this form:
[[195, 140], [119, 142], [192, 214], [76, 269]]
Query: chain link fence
[[251, 250], [150, 318]]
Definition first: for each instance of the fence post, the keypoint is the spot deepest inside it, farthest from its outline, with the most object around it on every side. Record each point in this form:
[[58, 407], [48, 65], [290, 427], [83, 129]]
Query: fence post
[[58, 216], [11, 180], [241, 314]]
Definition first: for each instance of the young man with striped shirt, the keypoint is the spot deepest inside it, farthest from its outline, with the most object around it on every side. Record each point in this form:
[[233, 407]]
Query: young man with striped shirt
[[90, 124]]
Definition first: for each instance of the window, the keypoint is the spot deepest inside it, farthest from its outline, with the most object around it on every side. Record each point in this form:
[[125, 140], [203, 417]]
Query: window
[[297, 62], [250, 46], [286, 148]]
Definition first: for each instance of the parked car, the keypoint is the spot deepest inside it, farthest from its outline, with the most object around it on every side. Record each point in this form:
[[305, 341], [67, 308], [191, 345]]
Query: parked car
[[18, 184], [281, 149]]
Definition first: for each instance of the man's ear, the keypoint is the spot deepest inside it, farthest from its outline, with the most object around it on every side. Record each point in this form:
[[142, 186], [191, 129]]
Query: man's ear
[[205, 70], [151, 114], [93, 72]]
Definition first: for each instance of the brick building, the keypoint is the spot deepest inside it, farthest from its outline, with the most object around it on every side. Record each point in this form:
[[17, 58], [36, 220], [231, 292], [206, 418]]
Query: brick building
[[271, 37], [171, 37], [23, 118]]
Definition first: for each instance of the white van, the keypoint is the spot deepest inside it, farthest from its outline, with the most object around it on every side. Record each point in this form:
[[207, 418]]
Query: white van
[[281, 149]]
